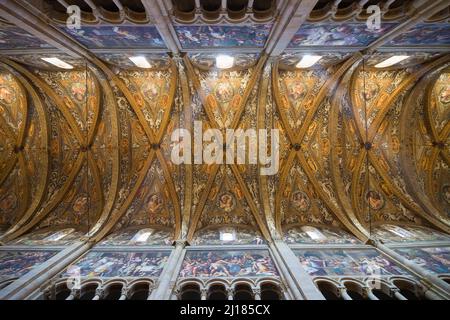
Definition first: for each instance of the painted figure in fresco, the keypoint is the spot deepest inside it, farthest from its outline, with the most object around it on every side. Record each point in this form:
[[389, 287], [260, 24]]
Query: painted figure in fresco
[[444, 95], [300, 201], [80, 206], [8, 203], [296, 91], [370, 91], [125, 34], [151, 91], [374, 200], [226, 202], [78, 91], [16, 264], [7, 95], [446, 193], [155, 203], [113, 264], [226, 264], [224, 91]]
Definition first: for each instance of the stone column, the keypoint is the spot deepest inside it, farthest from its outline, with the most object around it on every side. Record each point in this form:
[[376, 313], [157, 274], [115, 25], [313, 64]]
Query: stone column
[[230, 293], [168, 277], [436, 284], [33, 280], [370, 294], [344, 294], [398, 295], [124, 293], [99, 292], [299, 281], [204, 293], [257, 293], [74, 294]]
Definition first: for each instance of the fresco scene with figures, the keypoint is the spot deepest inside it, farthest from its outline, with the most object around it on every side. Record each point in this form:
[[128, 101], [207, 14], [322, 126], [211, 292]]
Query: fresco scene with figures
[[228, 264], [120, 264], [224, 150], [347, 262]]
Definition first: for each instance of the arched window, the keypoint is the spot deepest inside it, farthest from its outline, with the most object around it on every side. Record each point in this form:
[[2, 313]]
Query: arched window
[[355, 290], [139, 292], [190, 292], [270, 291], [88, 292], [328, 290], [217, 292], [243, 292], [380, 294], [408, 289], [113, 292]]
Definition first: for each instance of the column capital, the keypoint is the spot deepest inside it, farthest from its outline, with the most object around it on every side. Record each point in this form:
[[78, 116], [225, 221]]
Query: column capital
[[180, 243], [100, 292]]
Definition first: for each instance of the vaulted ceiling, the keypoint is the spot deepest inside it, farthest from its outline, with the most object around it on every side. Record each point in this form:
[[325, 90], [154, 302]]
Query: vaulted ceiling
[[91, 147]]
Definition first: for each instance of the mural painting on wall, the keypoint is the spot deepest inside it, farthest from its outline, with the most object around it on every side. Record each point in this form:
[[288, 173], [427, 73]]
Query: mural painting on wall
[[436, 260], [52, 237], [14, 38], [118, 36], [309, 234], [228, 264], [227, 235], [121, 264], [17, 263], [347, 262], [391, 233], [223, 36], [424, 34], [344, 34], [142, 237]]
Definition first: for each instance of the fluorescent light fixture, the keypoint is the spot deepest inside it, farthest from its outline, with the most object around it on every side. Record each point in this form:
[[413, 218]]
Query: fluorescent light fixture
[[391, 61], [224, 61], [58, 62], [141, 62], [142, 235], [226, 236], [314, 233], [308, 61]]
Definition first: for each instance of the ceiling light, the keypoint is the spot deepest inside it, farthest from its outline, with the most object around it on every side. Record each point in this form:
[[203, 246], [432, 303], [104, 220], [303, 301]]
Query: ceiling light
[[224, 61], [391, 61], [226, 236], [141, 62], [308, 61], [58, 62]]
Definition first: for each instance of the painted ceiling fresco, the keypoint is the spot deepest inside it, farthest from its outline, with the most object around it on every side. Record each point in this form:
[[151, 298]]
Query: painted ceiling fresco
[[343, 34], [109, 166], [110, 36], [86, 153], [139, 237], [392, 233], [424, 34], [13, 38], [50, 237], [309, 234], [192, 37]]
